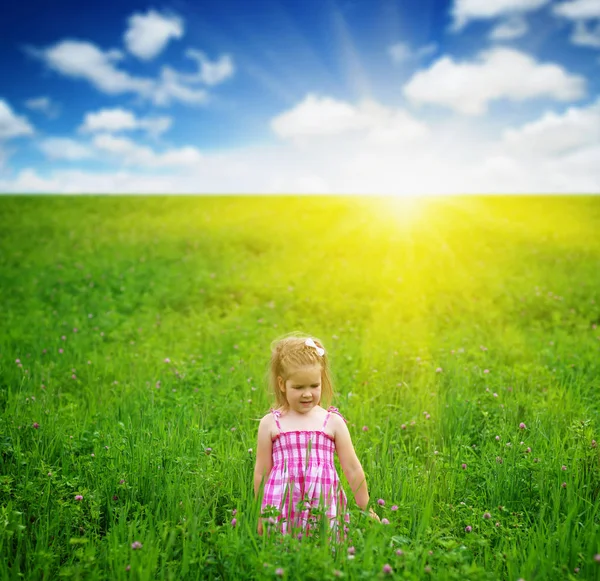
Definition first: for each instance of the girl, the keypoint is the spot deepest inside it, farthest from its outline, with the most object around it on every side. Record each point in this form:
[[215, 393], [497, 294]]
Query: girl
[[297, 441]]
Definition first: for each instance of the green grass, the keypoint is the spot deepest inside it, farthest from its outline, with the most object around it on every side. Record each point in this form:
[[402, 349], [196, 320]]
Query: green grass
[[502, 294]]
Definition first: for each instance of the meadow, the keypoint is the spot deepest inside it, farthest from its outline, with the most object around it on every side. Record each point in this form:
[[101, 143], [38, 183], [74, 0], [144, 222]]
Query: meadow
[[464, 338]]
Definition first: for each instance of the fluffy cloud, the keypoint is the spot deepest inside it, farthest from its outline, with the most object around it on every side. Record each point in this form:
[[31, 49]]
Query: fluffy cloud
[[118, 119], [12, 125], [582, 13], [130, 153], [64, 148], [464, 11], [510, 28], [556, 153], [586, 36], [149, 33], [44, 105], [83, 60], [318, 117], [578, 9], [500, 73], [209, 73], [577, 128]]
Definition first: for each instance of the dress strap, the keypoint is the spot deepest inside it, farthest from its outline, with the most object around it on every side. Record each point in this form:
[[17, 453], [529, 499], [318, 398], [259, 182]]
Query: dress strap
[[334, 410], [276, 414]]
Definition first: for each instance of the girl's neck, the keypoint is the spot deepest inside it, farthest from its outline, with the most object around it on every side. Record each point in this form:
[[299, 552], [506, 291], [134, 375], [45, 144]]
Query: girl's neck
[[295, 415]]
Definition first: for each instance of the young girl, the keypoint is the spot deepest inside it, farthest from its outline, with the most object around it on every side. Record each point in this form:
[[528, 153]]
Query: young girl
[[297, 441]]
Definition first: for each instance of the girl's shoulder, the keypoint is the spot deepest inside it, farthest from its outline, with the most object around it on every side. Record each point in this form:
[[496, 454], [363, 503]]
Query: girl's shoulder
[[334, 412]]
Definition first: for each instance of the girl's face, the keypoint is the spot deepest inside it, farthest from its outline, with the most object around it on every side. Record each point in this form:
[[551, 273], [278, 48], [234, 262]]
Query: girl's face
[[302, 388]]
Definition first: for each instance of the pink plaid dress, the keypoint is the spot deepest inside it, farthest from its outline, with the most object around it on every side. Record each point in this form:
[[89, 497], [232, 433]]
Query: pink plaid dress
[[304, 478]]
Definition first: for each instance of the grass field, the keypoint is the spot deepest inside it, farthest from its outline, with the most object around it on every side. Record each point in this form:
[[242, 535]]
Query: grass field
[[463, 332]]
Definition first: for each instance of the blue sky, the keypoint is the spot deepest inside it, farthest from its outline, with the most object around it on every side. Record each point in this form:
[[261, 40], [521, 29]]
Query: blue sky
[[320, 96]]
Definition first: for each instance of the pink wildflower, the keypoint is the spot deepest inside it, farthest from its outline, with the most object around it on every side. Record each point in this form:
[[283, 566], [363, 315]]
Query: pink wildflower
[[381, 502], [463, 466], [394, 507], [563, 468], [136, 545], [468, 528], [128, 568], [167, 360], [403, 427], [385, 521], [564, 484], [427, 416], [78, 497], [387, 569], [522, 426], [439, 370], [487, 515], [497, 438], [279, 571], [233, 522], [399, 552], [351, 550], [36, 425], [486, 370], [597, 558], [365, 428]]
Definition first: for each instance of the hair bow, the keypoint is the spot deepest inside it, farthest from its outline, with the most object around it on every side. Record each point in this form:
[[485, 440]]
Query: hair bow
[[311, 343]]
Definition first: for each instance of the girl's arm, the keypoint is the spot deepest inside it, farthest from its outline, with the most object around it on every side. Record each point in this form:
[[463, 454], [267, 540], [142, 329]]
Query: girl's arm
[[264, 454], [350, 463]]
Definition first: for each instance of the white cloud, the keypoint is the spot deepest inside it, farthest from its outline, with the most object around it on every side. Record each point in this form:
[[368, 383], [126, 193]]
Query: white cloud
[[128, 152], [83, 60], [318, 117], [578, 9], [449, 162], [369, 150], [210, 73], [119, 119], [401, 52], [500, 73], [12, 125], [64, 148], [172, 88], [44, 105], [553, 134], [149, 33], [464, 11], [584, 36], [513, 27], [580, 12]]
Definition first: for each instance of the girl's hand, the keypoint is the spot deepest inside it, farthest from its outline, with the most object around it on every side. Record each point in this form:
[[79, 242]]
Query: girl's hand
[[373, 514]]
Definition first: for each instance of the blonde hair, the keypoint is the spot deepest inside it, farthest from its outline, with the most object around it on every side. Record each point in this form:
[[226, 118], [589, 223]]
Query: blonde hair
[[290, 352]]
